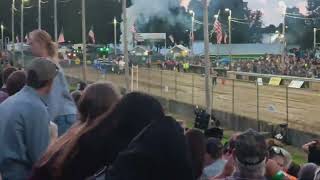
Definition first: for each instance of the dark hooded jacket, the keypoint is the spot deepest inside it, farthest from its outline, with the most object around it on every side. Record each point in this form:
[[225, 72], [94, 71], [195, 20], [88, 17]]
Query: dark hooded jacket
[[159, 152]]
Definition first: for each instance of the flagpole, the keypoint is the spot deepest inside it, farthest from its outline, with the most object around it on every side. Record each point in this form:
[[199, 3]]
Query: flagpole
[[207, 58], [12, 29], [22, 33], [125, 43], [218, 46], [165, 46], [55, 20], [84, 43], [39, 14]]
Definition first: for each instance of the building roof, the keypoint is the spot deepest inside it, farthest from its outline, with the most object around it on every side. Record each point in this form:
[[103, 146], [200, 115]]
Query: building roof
[[139, 50], [179, 48], [239, 49]]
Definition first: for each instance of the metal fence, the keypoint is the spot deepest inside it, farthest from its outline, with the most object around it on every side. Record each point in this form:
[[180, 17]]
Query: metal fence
[[273, 104]]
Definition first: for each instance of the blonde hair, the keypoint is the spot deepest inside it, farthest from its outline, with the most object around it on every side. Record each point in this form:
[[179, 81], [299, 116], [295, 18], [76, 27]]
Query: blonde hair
[[44, 38]]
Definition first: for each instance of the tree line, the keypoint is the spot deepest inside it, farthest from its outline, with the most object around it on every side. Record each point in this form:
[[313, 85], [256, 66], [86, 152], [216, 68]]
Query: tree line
[[100, 15]]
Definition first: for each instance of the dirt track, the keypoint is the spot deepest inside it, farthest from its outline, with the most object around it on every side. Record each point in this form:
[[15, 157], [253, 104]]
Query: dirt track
[[303, 104]]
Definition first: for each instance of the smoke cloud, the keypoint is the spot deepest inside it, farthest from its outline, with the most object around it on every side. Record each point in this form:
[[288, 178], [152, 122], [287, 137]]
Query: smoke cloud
[[143, 11]]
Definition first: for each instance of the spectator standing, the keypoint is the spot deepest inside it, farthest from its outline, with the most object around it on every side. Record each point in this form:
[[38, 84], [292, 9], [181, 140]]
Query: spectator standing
[[281, 156], [307, 172], [197, 146], [159, 152], [96, 100], [3, 91], [62, 108], [97, 142], [24, 123], [213, 158], [16, 82], [250, 156], [313, 150], [294, 169], [5, 75]]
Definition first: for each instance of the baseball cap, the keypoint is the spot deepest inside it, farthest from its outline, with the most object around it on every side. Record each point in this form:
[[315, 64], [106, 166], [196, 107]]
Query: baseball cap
[[251, 148], [214, 146], [43, 68]]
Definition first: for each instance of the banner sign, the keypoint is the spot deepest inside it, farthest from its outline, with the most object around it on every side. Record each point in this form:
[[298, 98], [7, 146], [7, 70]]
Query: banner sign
[[296, 84], [259, 82], [275, 81], [151, 36]]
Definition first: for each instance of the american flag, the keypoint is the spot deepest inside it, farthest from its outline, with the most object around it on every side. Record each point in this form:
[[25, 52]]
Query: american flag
[[218, 30], [136, 36], [61, 37], [92, 36], [133, 29]]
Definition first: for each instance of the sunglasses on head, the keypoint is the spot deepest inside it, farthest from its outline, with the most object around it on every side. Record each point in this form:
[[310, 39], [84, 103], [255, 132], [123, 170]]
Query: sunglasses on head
[[276, 150]]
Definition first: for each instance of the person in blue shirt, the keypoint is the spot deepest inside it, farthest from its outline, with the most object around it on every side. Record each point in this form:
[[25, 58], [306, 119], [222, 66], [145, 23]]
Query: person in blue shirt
[[62, 108], [24, 122], [213, 159]]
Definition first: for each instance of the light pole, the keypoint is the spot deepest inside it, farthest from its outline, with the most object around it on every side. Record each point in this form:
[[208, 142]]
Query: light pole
[[55, 14], [12, 27], [284, 33], [22, 31], [206, 56], [229, 20], [84, 41], [192, 30], [125, 43], [115, 35], [39, 14], [2, 36], [315, 37]]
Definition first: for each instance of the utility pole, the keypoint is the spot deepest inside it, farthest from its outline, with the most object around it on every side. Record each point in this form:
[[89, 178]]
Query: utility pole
[[192, 31], [207, 58], [230, 24], [125, 42], [315, 38], [55, 9], [84, 41], [39, 14], [115, 35], [284, 35]]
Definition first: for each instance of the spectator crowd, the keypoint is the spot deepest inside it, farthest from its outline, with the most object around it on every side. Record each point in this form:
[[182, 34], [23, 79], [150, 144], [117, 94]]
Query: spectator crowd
[[270, 64], [48, 133]]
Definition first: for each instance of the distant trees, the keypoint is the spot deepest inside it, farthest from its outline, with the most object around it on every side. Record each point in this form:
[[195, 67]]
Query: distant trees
[[247, 28]]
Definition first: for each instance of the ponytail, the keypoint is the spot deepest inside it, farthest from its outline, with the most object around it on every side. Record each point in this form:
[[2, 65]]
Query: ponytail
[[45, 38], [52, 49]]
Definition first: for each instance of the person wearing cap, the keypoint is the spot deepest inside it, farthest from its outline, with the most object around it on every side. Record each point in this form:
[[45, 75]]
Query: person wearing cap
[[214, 163], [250, 156], [24, 122]]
